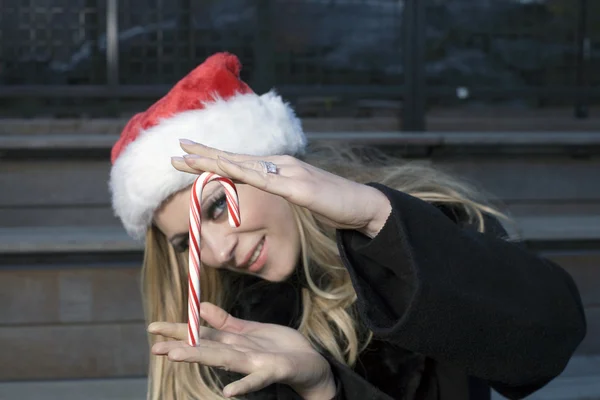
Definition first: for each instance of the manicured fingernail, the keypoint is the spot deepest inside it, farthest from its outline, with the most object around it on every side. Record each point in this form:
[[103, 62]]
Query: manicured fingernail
[[177, 159], [186, 141], [152, 326], [191, 156]]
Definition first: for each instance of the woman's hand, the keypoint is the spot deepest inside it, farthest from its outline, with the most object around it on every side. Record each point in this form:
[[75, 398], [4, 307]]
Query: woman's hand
[[265, 353], [341, 203]]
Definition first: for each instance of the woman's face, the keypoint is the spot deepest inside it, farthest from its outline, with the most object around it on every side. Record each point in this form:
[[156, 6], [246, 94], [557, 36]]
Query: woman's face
[[266, 244]]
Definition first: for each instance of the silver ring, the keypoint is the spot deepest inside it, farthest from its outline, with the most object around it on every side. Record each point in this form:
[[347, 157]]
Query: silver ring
[[268, 167]]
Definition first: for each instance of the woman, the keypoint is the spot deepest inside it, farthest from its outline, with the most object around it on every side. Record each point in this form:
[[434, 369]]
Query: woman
[[332, 287]]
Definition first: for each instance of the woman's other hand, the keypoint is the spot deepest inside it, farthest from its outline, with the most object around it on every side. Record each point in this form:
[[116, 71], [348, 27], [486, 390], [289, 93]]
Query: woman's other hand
[[339, 202], [265, 353]]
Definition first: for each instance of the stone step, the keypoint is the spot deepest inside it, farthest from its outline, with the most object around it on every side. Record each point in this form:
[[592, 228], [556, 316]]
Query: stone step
[[77, 321], [49, 191], [579, 381], [457, 119], [74, 351], [558, 227], [69, 239], [70, 295], [77, 239], [104, 141], [96, 389], [72, 321]]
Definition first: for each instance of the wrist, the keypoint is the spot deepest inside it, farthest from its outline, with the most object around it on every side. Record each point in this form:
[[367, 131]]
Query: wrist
[[325, 390], [381, 209]]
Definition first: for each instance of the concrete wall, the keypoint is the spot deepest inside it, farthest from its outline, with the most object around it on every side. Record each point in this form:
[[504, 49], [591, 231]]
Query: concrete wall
[[69, 278]]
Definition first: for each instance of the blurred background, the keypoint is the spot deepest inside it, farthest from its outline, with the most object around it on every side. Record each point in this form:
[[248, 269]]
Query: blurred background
[[505, 93]]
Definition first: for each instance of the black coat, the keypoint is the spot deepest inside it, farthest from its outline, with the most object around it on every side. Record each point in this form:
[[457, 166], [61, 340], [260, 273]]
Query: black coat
[[453, 311]]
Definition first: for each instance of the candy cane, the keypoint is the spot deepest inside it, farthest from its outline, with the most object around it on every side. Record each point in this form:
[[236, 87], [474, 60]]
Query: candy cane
[[194, 244]]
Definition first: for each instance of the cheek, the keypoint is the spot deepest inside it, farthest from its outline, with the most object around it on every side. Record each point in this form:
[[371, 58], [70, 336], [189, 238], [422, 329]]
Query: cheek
[[266, 211], [255, 206], [280, 224], [263, 211]]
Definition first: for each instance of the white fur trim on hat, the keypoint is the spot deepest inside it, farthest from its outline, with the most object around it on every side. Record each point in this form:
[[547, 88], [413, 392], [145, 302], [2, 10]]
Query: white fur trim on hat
[[142, 177]]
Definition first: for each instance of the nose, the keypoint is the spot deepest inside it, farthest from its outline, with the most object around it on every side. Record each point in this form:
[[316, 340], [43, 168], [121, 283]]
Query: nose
[[218, 247]]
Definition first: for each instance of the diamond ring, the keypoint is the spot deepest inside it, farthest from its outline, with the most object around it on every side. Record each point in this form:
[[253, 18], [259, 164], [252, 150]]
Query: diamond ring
[[268, 167]]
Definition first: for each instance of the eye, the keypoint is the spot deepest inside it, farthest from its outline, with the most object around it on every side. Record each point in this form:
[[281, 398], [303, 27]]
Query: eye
[[183, 245], [217, 206]]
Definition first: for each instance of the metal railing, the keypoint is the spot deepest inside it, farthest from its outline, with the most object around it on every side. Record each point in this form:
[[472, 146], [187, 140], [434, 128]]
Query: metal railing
[[418, 53]]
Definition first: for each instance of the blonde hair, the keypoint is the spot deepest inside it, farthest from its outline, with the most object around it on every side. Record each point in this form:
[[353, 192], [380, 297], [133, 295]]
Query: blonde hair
[[329, 320]]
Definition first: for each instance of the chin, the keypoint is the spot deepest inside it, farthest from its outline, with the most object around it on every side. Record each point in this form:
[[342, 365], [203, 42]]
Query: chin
[[276, 276], [272, 278]]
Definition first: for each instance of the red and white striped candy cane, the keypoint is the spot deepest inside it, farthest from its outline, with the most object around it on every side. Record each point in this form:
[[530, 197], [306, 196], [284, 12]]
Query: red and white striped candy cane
[[194, 244]]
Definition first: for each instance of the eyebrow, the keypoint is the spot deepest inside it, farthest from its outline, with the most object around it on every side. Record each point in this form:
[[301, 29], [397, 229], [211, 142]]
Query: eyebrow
[[180, 236], [215, 193]]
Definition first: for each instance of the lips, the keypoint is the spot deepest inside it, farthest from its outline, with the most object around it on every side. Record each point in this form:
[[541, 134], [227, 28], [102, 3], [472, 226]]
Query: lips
[[256, 253], [253, 255]]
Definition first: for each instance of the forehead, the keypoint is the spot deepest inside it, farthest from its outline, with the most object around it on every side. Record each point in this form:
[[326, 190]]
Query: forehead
[[172, 216]]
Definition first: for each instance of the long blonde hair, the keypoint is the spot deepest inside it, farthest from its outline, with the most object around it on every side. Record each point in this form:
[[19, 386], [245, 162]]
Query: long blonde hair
[[329, 320]]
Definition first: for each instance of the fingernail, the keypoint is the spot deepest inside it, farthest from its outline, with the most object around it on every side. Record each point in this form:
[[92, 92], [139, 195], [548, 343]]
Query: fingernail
[[186, 141], [177, 159], [193, 156]]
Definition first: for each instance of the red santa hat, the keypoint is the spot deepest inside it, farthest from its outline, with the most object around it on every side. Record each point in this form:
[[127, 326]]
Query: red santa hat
[[212, 106]]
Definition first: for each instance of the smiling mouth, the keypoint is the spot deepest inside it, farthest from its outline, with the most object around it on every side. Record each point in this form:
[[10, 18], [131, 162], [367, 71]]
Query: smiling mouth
[[255, 254]]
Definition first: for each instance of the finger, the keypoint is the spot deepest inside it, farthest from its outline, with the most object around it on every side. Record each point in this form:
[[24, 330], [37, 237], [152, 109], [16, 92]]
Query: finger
[[201, 164], [252, 173], [215, 335], [169, 329], [180, 164], [197, 164], [221, 320], [191, 166], [163, 348], [192, 147], [179, 331], [250, 383], [224, 358]]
